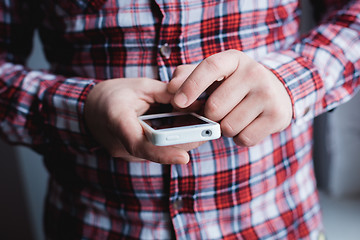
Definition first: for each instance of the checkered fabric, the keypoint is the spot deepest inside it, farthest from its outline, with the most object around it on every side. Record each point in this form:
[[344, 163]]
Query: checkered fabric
[[226, 191]]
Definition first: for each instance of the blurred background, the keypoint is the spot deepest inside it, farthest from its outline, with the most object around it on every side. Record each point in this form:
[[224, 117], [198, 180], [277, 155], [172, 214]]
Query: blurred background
[[23, 178]]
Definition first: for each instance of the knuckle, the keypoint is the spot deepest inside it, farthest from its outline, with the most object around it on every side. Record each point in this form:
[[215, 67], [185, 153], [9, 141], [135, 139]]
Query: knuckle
[[213, 63], [146, 83], [178, 70], [281, 117], [132, 150], [256, 71], [195, 86], [268, 93], [212, 109], [245, 140], [227, 129], [182, 68], [276, 113], [143, 83], [235, 54]]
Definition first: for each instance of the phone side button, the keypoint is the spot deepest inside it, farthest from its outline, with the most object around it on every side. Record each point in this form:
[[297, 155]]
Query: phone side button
[[172, 137]]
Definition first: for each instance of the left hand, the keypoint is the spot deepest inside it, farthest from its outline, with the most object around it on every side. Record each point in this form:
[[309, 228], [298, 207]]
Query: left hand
[[249, 101]]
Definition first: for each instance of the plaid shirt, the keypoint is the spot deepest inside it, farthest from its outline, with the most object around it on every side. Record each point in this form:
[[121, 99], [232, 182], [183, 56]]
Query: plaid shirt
[[225, 192]]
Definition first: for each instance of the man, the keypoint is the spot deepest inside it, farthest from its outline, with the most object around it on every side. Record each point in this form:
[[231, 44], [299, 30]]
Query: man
[[263, 83]]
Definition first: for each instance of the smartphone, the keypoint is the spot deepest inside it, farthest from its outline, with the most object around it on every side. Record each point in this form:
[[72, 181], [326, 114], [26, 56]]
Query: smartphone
[[166, 129]]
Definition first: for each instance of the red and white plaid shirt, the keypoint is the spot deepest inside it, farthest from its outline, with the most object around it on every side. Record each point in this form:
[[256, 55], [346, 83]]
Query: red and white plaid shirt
[[225, 192]]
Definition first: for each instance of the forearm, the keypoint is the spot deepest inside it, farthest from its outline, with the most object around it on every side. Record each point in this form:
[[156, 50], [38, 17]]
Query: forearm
[[38, 109], [322, 69]]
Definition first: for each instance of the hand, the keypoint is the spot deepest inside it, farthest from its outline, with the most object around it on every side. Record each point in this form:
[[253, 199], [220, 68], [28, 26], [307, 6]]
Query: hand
[[249, 101], [111, 112], [180, 74]]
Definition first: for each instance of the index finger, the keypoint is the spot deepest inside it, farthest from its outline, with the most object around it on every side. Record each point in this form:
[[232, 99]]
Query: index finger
[[214, 68]]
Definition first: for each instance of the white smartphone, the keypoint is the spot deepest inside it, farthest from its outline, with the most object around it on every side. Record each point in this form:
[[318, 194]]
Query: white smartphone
[[176, 128]]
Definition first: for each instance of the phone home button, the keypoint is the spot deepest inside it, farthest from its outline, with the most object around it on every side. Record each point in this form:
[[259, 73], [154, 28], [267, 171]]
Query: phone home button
[[172, 137]]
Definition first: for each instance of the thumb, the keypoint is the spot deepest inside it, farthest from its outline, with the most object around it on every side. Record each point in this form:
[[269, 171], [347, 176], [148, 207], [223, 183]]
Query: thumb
[[157, 91], [164, 155], [135, 142]]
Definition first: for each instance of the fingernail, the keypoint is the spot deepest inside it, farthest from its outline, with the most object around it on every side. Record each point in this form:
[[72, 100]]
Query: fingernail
[[180, 160], [181, 100]]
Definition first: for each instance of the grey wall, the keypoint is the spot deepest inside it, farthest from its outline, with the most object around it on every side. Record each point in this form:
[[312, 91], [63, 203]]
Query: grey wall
[[336, 141], [337, 150]]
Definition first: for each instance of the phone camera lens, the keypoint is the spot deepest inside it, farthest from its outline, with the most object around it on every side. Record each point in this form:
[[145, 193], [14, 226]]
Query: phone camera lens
[[206, 133]]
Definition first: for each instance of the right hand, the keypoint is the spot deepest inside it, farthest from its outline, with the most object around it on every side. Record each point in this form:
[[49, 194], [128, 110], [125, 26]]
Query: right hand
[[247, 99], [111, 113]]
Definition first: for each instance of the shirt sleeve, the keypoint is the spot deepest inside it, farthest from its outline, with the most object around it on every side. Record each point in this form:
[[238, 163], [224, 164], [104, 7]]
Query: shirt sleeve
[[321, 70], [37, 108]]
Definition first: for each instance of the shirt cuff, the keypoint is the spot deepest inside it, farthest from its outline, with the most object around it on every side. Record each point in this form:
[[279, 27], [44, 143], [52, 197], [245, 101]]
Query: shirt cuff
[[66, 102], [301, 80]]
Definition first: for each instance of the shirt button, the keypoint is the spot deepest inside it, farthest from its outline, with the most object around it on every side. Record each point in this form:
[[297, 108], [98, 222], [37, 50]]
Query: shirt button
[[178, 204], [165, 51]]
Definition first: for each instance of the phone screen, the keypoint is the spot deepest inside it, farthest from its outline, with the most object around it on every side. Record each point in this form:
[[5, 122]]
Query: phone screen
[[174, 121]]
